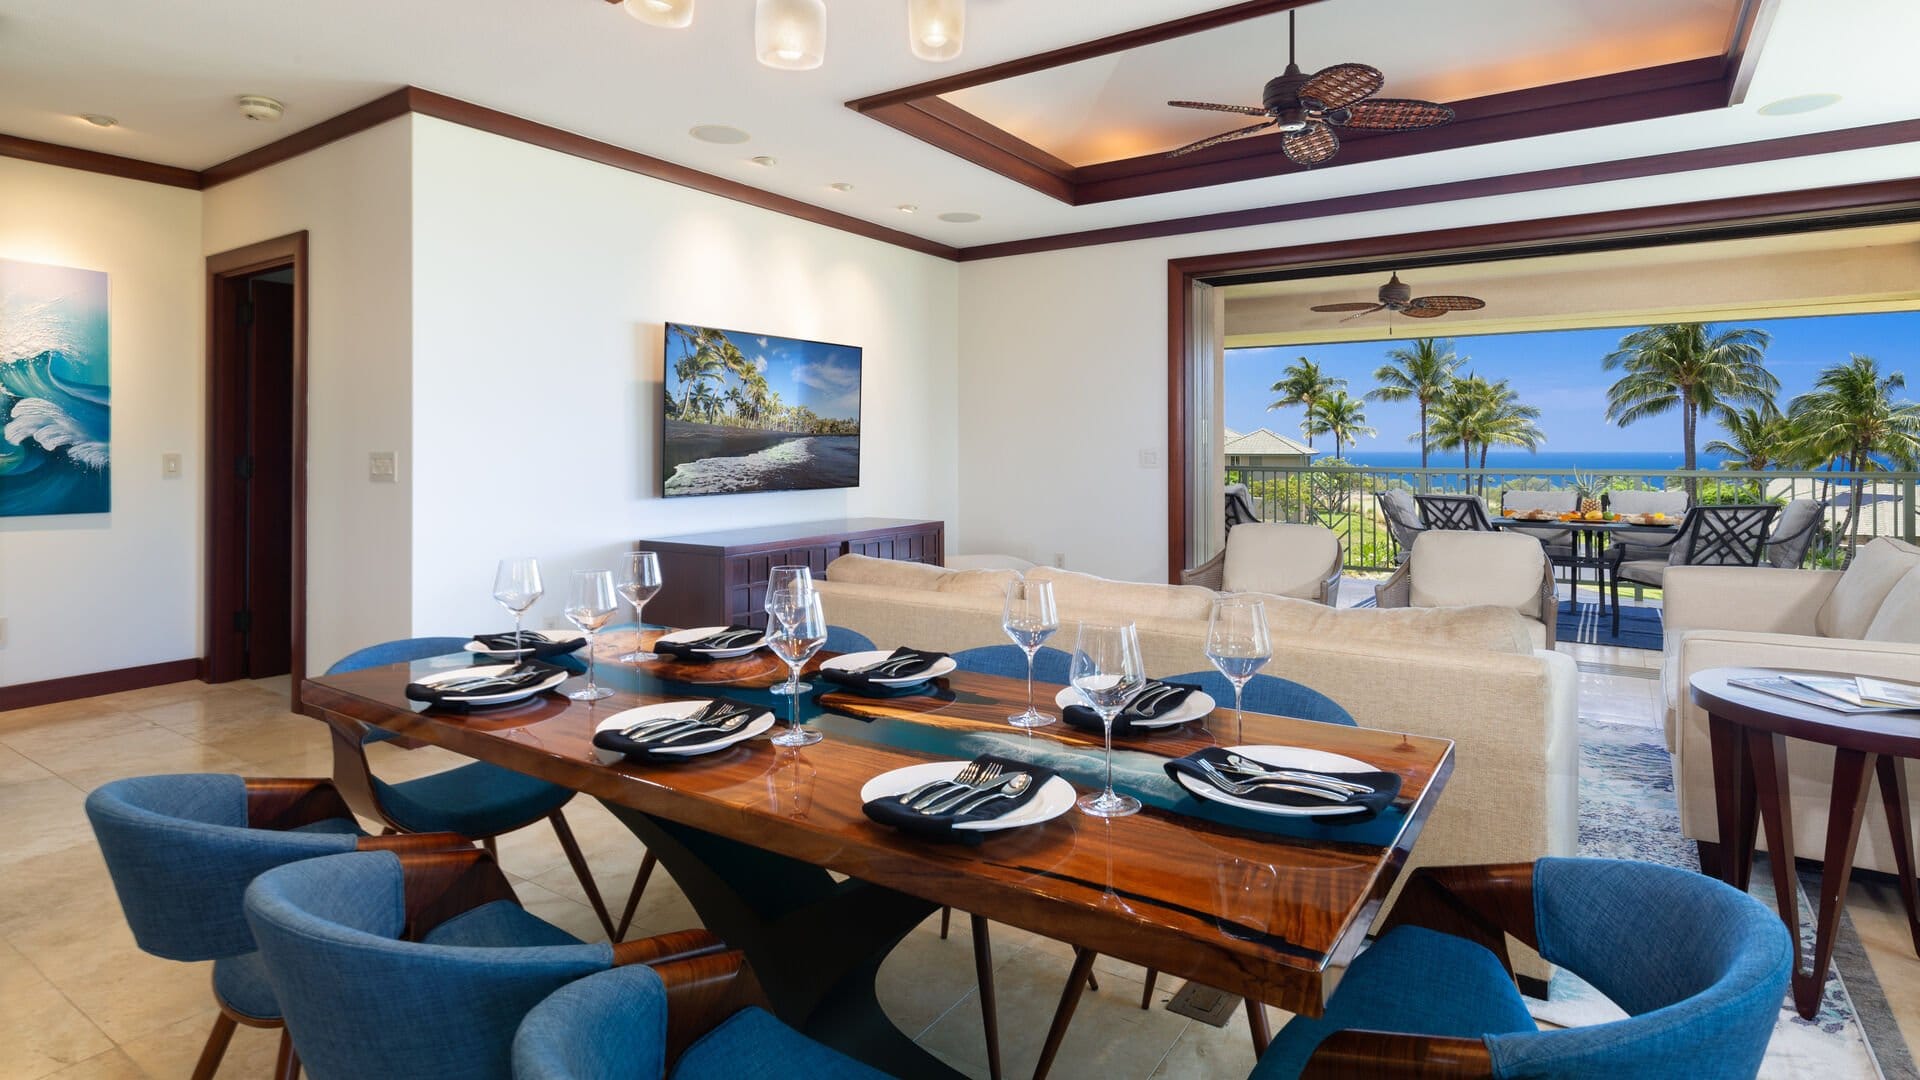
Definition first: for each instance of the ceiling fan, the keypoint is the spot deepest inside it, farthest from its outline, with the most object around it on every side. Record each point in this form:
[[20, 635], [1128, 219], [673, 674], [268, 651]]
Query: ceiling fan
[[1306, 109], [1397, 296]]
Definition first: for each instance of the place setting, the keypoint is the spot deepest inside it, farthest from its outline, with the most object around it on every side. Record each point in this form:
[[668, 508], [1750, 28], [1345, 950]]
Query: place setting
[[482, 686], [964, 799], [678, 730], [880, 673], [1289, 781]]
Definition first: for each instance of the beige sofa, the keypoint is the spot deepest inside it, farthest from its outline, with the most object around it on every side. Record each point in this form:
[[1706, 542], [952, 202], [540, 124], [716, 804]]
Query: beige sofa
[[1456, 568], [1467, 674], [1865, 621], [1301, 561]]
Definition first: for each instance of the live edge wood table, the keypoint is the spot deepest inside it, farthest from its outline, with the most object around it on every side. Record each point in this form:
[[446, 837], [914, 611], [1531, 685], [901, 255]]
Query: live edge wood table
[[1268, 908], [1749, 730]]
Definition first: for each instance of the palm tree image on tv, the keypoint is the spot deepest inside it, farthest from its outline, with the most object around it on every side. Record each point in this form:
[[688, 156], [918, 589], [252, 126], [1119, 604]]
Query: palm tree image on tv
[[754, 412]]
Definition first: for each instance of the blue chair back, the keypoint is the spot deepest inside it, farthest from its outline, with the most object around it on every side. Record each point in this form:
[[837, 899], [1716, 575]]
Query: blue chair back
[[1699, 967], [1050, 665], [1270, 694], [841, 639], [360, 1002], [404, 651], [181, 855], [610, 1026]]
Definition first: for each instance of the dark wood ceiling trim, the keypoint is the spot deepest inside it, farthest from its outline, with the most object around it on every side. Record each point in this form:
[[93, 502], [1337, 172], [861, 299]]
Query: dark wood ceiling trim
[[933, 120], [352, 122], [71, 157], [1826, 142]]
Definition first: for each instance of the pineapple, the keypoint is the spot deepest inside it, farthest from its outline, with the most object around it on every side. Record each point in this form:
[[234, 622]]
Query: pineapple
[[1588, 485]]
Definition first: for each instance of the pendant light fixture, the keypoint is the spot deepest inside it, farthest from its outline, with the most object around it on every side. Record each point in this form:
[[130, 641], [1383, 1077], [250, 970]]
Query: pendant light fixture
[[790, 34], [672, 14], [935, 27]]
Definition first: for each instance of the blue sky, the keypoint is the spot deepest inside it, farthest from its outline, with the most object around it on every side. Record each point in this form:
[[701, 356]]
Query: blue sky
[[821, 376], [1560, 372]]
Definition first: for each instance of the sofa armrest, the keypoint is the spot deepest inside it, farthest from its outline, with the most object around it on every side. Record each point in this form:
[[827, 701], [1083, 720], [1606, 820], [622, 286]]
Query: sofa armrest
[[1397, 590], [1210, 574], [1764, 599]]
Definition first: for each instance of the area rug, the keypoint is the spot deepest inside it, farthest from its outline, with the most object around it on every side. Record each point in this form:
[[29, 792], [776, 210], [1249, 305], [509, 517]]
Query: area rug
[[1627, 810], [1640, 627]]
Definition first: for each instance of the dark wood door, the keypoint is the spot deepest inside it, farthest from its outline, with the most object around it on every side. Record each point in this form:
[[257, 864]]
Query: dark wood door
[[269, 487]]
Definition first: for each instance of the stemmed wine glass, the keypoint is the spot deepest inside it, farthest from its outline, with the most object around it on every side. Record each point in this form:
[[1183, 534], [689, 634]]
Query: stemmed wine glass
[[516, 585], [1238, 645], [796, 641], [1107, 671], [591, 601], [787, 590], [639, 583], [1030, 618]]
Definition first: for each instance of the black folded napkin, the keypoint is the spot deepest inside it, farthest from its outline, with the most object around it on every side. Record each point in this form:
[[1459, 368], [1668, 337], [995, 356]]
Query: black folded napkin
[[611, 739], [1084, 718], [1385, 785], [914, 662], [691, 650], [891, 811], [433, 695], [542, 648]]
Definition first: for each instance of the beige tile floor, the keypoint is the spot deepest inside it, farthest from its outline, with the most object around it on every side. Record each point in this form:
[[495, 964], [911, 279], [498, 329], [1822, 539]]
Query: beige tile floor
[[78, 999]]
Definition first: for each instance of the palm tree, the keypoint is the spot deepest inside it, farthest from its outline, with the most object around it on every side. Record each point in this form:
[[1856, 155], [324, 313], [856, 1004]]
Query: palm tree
[[1343, 417], [1422, 372], [1303, 383], [1474, 415], [1757, 438], [1691, 367], [1851, 415]]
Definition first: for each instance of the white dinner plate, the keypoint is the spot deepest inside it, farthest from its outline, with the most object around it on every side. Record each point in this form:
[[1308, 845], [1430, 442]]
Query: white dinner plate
[[1054, 798], [682, 637], [679, 710], [524, 692], [1198, 704], [544, 636], [854, 660], [1283, 757]]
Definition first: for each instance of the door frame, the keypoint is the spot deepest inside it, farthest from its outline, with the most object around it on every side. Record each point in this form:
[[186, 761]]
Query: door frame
[[283, 252]]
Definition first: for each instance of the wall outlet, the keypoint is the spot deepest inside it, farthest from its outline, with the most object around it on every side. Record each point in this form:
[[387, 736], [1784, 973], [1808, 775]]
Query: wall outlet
[[1059, 560], [383, 466], [1149, 459], [170, 466]]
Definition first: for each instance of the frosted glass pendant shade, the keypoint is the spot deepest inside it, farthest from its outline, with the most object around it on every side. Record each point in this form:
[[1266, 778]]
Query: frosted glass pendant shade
[[790, 34], [672, 14], [935, 27]]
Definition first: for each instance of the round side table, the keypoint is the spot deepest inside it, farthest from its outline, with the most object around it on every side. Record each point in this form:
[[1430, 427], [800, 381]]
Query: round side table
[[1749, 729]]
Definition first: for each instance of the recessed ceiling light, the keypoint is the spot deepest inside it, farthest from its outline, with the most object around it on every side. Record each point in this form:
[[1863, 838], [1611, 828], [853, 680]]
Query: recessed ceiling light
[[907, 208], [718, 133], [764, 161], [1804, 103], [842, 186], [960, 217], [99, 119]]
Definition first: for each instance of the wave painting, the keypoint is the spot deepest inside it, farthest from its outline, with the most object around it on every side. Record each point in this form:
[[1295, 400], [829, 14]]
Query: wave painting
[[54, 416]]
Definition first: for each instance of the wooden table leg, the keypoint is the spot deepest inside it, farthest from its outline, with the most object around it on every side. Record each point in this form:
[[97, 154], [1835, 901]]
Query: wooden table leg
[[983, 976], [1733, 793], [1850, 769], [1257, 1024], [1893, 796], [1063, 1014], [1769, 754]]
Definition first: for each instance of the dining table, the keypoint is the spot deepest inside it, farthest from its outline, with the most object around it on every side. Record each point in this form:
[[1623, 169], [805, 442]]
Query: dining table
[[776, 856], [1590, 541]]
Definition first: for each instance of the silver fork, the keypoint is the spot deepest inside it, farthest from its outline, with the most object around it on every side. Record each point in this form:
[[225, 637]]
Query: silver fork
[[1256, 768], [1142, 702], [985, 780], [1236, 787], [885, 666], [965, 777]]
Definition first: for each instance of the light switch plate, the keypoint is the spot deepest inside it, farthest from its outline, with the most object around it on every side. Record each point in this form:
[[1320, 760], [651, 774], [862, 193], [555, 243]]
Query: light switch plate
[[1149, 459], [383, 466], [170, 466]]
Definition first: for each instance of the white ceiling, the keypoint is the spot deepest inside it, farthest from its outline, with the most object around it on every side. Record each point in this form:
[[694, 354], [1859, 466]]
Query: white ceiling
[[170, 71]]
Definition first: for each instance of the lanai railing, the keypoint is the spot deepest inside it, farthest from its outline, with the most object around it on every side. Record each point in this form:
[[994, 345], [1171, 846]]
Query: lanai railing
[[1341, 497]]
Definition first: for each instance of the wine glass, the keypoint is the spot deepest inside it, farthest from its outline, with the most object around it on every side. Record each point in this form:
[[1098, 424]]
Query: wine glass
[[787, 590], [591, 601], [796, 642], [516, 585], [1107, 671], [1238, 645], [1030, 618], [639, 583]]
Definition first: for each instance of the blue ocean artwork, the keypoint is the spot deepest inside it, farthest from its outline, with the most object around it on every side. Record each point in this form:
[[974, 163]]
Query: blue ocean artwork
[[54, 416]]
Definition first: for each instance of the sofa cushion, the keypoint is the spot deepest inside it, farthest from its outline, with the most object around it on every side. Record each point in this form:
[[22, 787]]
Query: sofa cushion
[[978, 582], [1082, 596], [1671, 503], [1453, 568], [1856, 597], [1486, 628], [1899, 616], [866, 570], [1286, 560]]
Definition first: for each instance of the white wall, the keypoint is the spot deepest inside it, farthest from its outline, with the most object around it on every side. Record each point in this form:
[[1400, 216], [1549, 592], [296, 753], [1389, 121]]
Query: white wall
[[92, 592], [1064, 359], [353, 198], [541, 284]]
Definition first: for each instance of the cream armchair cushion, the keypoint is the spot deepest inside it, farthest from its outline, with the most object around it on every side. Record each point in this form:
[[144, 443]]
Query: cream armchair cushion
[[1452, 568], [1856, 598], [1284, 560]]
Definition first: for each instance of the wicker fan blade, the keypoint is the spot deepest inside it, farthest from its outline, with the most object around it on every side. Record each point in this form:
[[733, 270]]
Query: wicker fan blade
[[1311, 145], [1370, 310], [1394, 114], [1244, 110], [1344, 307], [1228, 136], [1343, 84], [1448, 303], [1412, 312]]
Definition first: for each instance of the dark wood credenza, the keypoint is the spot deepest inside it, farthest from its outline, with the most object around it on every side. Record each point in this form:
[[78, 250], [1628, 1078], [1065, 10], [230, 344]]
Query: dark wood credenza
[[720, 578]]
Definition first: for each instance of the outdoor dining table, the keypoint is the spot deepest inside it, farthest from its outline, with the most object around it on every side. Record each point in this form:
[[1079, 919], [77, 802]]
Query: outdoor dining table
[[774, 853], [1589, 543]]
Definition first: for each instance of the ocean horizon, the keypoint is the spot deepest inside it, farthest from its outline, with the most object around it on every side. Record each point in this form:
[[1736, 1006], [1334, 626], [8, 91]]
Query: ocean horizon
[[1521, 461]]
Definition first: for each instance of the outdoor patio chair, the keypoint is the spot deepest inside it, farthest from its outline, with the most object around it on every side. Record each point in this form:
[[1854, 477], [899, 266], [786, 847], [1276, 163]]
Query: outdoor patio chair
[[1794, 535], [1242, 507], [1458, 568], [1673, 503], [1708, 536], [1301, 561], [1454, 513], [1403, 520]]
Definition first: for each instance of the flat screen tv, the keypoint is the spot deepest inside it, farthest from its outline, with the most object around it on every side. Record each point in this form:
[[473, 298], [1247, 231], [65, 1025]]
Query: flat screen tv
[[754, 412]]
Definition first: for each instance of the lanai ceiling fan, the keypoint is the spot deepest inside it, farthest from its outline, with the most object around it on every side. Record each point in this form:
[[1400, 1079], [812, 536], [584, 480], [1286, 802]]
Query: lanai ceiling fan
[[1397, 296], [1306, 109]]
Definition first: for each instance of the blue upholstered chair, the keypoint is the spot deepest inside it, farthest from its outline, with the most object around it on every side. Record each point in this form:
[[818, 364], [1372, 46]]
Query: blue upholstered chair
[[613, 1026], [841, 639], [1699, 967], [1050, 665], [181, 851], [478, 801], [1272, 695]]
